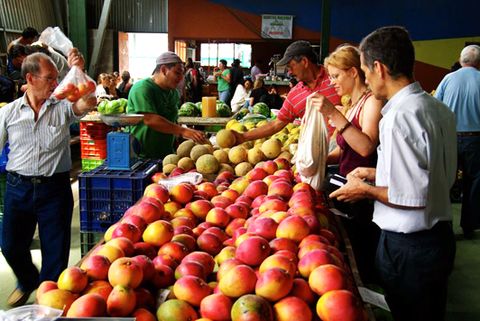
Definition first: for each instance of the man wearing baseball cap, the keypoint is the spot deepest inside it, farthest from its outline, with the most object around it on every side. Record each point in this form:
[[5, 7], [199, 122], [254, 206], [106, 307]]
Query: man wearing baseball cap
[[157, 99], [302, 63]]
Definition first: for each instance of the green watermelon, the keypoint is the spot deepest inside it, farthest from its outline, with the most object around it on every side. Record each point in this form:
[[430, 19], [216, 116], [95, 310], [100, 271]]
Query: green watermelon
[[198, 107], [101, 106], [114, 107], [241, 113], [187, 109], [223, 110], [261, 109]]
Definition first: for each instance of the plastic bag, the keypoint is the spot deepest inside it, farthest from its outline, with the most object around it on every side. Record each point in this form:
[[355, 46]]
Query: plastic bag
[[312, 149], [193, 178], [55, 38], [75, 85], [31, 313]]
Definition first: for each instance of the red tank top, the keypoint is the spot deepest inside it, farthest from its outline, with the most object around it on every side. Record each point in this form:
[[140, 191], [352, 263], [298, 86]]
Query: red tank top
[[349, 159]]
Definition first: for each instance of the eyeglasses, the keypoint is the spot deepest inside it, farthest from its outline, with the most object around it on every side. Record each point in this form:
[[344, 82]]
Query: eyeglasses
[[337, 76], [334, 77], [49, 79]]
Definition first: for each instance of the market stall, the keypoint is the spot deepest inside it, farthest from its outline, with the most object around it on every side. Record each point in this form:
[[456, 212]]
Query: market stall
[[203, 121], [162, 240]]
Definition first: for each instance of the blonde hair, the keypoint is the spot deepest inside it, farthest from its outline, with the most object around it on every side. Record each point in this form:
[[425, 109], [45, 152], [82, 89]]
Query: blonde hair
[[345, 57]]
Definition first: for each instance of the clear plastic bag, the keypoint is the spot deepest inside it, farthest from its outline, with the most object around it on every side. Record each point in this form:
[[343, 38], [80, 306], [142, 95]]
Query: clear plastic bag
[[193, 178], [55, 38], [75, 85], [31, 313], [312, 150]]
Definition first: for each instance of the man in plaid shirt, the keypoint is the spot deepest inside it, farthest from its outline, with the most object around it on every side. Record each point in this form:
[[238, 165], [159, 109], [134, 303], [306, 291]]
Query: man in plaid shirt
[[302, 63]]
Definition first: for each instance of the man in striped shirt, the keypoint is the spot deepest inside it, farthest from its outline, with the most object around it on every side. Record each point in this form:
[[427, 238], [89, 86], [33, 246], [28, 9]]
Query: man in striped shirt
[[38, 181], [301, 61]]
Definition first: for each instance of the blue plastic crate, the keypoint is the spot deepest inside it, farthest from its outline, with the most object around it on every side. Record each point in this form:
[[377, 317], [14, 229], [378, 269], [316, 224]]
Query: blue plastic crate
[[106, 194], [3, 186], [4, 159], [98, 221], [88, 240]]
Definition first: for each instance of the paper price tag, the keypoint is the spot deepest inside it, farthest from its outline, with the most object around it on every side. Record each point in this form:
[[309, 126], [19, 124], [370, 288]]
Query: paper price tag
[[373, 297], [162, 296]]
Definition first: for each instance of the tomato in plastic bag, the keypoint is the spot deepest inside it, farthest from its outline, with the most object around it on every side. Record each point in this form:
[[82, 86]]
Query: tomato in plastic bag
[[75, 85]]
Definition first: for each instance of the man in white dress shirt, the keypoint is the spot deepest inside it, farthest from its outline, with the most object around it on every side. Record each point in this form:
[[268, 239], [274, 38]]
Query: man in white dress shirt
[[38, 182], [415, 170]]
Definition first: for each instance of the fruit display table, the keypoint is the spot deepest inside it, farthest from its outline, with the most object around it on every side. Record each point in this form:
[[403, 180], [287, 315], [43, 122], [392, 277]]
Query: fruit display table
[[192, 248], [189, 121], [203, 121], [347, 252]]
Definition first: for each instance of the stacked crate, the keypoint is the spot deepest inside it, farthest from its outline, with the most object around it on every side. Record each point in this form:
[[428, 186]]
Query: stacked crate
[[106, 194], [93, 144]]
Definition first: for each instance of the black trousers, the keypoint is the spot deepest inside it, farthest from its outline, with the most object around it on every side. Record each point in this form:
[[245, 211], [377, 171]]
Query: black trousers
[[469, 162], [414, 270]]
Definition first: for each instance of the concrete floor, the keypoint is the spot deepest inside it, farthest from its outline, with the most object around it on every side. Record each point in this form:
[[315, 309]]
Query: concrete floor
[[464, 288]]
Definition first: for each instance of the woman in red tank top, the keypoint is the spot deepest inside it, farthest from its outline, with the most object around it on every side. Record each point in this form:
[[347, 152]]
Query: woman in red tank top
[[357, 139], [357, 125]]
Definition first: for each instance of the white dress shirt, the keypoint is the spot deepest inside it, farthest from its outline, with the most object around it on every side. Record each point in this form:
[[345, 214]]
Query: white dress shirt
[[416, 161], [37, 148]]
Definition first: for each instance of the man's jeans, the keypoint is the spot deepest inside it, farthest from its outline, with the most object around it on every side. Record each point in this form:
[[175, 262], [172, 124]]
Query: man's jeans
[[48, 202]]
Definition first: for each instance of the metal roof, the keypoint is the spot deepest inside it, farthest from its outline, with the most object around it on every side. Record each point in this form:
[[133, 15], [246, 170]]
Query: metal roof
[[16, 15], [130, 15]]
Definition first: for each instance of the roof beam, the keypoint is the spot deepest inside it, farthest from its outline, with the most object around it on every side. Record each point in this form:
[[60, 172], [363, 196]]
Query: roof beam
[[98, 43]]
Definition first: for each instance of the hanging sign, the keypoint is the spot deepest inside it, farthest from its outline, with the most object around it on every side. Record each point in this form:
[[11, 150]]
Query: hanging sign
[[277, 26]]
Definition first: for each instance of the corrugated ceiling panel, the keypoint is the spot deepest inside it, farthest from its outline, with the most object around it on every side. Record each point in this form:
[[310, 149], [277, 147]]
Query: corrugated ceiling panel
[[18, 14], [131, 15]]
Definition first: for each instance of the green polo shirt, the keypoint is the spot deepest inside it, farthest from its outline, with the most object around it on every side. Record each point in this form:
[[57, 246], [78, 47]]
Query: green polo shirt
[[147, 97], [222, 83]]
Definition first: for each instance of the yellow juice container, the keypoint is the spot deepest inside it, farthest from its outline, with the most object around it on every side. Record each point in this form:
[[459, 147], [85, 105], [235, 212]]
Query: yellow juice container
[[209, 107]]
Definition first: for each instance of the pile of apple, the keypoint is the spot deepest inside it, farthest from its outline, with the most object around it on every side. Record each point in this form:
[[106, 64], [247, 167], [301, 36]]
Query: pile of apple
[[258, 247]]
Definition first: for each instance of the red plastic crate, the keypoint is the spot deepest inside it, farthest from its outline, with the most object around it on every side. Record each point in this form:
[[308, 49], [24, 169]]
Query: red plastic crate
[[93, 149], [91, 143], [94, 130]]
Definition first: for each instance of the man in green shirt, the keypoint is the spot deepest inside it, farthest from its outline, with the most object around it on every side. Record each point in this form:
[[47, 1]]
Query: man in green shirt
[[157, 99], [223, 77]]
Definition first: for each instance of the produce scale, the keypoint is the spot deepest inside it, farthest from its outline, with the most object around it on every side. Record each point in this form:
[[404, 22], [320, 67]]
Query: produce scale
[[122, 147]]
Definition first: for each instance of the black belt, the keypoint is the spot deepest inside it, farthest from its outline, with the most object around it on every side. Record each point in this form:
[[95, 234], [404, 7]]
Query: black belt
[[41, 179], [439, 228], [468, 134]]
